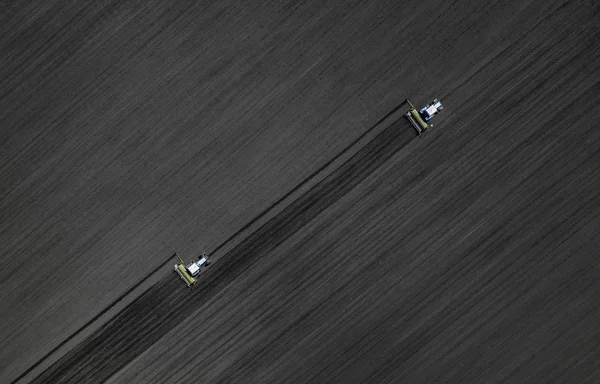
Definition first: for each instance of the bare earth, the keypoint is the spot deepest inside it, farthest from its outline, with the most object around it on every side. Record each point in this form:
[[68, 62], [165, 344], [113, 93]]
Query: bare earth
[[344, 249]]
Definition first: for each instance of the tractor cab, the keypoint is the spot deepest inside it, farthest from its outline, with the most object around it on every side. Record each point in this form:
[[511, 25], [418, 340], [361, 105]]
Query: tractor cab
[[431, 109]]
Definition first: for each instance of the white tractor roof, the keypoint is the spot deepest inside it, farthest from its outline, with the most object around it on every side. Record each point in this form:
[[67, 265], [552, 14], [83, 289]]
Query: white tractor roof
[[431, 110], [193, 268]]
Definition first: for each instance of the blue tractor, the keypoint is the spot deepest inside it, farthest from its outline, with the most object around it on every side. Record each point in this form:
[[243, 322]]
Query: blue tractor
[[419, 120], [189, 272]]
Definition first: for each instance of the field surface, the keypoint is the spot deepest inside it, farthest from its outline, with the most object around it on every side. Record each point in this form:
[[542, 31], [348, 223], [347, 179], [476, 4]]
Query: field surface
[[270, 135]]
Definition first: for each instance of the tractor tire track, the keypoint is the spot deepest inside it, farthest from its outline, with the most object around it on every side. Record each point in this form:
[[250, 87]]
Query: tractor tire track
[[164, 305]]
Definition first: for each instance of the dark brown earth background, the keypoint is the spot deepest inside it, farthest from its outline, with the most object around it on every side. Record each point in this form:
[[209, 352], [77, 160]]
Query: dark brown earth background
[[270, 135]]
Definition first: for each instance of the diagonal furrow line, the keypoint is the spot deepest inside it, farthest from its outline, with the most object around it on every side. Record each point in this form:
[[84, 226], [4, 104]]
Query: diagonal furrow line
[[152, 315], [223, 244]]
